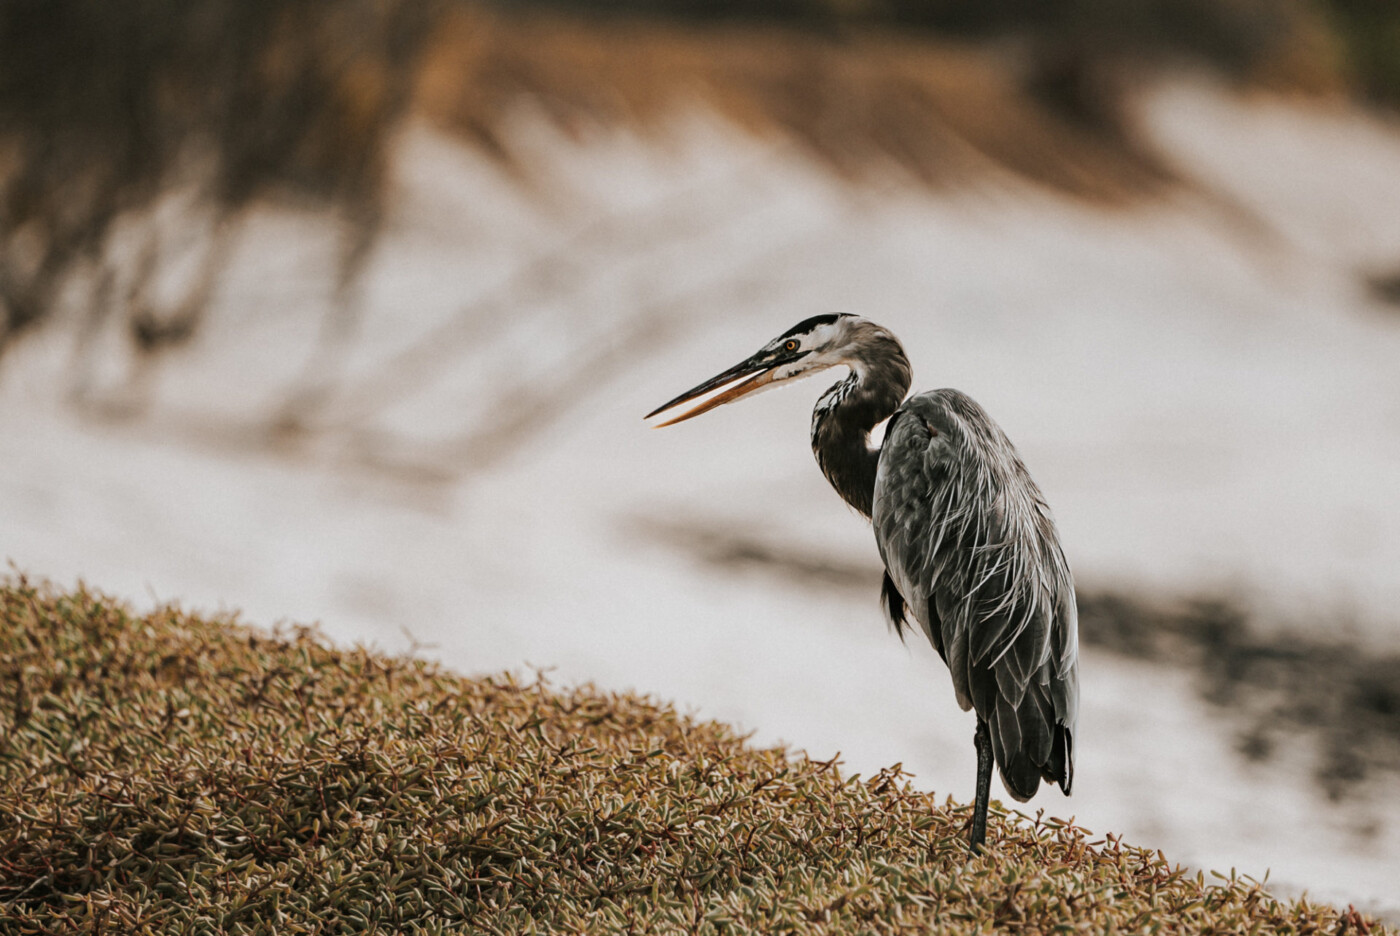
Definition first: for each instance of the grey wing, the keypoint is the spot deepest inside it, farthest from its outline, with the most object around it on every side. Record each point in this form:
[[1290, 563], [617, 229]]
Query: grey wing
[[971, 550]]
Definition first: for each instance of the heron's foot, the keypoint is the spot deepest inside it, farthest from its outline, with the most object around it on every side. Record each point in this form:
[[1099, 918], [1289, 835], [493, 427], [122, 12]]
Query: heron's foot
[[975, 833]]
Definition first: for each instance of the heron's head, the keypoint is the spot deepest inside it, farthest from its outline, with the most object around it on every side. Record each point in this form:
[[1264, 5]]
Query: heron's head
[[809, 346]]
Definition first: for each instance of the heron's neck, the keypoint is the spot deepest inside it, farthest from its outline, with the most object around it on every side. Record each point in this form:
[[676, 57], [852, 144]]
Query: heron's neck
[[846, 413]]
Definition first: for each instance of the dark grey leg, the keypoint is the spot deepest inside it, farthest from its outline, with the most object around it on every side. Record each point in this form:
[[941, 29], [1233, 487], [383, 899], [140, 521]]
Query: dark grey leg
[[983, 740]]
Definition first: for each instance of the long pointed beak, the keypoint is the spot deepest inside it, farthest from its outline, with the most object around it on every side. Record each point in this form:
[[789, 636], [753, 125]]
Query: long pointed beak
[[760, 379]]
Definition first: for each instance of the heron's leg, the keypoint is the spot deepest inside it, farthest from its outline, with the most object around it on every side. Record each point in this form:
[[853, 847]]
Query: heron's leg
[[983, 740]]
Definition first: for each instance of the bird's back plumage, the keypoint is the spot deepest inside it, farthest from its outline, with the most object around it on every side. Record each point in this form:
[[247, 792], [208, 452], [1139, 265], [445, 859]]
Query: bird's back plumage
[[972, 554]]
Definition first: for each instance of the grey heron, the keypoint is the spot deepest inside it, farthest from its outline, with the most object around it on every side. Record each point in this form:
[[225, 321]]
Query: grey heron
[[970, 549]]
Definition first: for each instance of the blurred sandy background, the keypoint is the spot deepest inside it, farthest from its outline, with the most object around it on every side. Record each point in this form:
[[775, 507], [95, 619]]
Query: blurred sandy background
[[351, 314]]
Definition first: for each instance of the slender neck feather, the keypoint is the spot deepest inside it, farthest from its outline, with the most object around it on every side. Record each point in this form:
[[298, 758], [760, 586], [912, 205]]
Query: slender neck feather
[[846, 413]]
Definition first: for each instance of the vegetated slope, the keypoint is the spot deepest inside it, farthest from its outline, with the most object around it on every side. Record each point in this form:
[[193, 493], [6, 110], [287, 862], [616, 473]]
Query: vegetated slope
[[167, 773]]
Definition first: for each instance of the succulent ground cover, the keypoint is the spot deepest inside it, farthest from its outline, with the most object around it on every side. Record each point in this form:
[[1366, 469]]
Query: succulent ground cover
[[167, 773]]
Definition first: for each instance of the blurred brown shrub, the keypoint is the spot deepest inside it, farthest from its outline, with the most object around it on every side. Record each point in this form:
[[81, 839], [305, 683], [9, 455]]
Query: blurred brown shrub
[[102, 105]]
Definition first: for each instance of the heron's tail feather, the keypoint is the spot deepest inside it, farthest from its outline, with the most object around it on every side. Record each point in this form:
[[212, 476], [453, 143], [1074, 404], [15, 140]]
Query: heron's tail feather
[[1061, 767], [1030, 743]]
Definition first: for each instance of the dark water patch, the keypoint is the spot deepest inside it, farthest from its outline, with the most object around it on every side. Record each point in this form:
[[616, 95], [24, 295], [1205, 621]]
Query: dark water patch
[[1385, 287], [1279, 687], [726, 549]]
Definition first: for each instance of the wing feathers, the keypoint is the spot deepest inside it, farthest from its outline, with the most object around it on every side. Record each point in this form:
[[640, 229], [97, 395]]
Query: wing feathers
[[970, 545]]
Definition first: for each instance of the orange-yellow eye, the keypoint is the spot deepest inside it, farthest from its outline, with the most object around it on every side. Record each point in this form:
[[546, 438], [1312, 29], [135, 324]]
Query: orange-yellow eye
[[790, 345]]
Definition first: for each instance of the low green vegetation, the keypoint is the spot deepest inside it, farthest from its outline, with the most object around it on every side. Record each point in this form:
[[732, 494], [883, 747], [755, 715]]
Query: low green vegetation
[[178, 775]]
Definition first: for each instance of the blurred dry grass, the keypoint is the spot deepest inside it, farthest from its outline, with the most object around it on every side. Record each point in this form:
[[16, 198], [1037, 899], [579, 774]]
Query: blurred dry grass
[[937, 111], [105, 107]]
